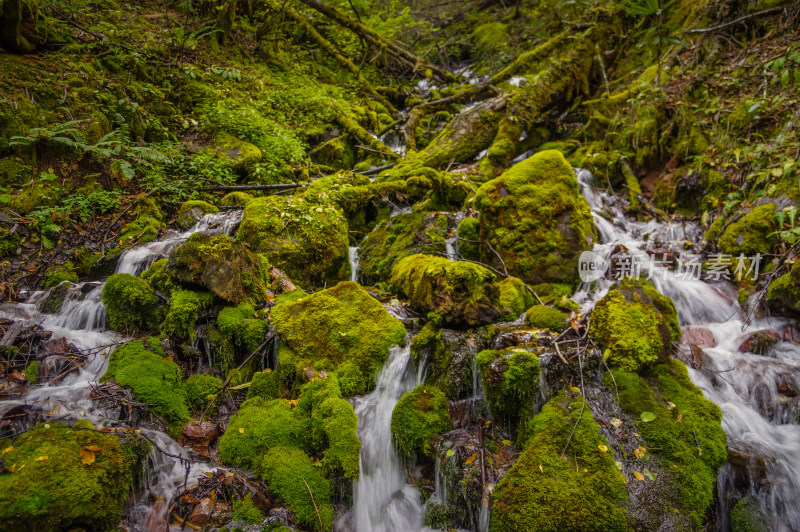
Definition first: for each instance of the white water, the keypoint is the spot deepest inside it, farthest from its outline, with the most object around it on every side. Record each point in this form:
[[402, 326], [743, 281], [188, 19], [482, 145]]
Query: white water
[[353, 254], [744, 385]]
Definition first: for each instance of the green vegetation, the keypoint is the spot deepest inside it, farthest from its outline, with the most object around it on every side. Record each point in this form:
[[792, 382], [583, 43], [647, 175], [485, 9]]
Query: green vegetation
[[245, 510], [199, 389], [514, 296], [183, 313], [546, 318], [32, 372], [130, 303], [417, 418]]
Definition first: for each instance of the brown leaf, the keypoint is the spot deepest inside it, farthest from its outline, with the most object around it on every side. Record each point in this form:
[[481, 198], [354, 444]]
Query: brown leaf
[[92, 448], [87, 457], [471, 459], [638, 475]]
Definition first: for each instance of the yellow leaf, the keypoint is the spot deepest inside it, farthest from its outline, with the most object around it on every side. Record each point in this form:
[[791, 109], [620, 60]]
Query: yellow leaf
[[680, 418], [573, 389], [241, 430], [541, 468], [603, 448], [87, 457], [638, 475], [670, 405], [8, 449], [640, 452], [507, 443], [616, 422], [41, 459], [471, 459], [636, 434], [92, 448]]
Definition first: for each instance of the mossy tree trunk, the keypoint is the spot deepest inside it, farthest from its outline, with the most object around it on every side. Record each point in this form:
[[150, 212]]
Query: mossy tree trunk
[[11, 38]]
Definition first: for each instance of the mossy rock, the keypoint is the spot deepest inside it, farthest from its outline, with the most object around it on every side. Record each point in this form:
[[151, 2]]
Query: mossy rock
[[514, 297], [397, 238], [291, 475], [49, 485], [130, 303], [748, 517], [32, 372], [543, 492], [510, 381], [535, 218], [448, 357], [199, 388], [242, 327], [183, 312], [417, 418], [236, 199], [193, 210], [785, 290], [354, 194], [635, 325], [340, 325], [223, 266], [462, 293], [145, 227], [674, 434], [56, 276], [259, 426], [750, 234], [308, 241], [544, 317], [337, 153], [140, 365], [469, 239], [243, 153]]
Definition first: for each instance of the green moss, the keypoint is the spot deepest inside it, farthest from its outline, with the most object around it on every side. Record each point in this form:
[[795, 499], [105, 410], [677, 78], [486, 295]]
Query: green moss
[[56, 276], [514, 296], [543, 492], [50, 488], [221, 265], [511, 385], [349, 326], [32, 372], [243, 153], [236, 199], [130, 303], [464, 293], [291, 475], [749, 234], [308, 241], [635, 325], [245, 510], [222, 349], [336, 153], [242, 327], [198, 389], [186, 218], [786, 288], [534, 216], [351, 379], [259, 426], [264, 384], [334, 428], [184, 310], [145, 227], [155, 381], [671, 435], [158, 277], [748, 517], [418, 417], [545, 317], [469, 238]]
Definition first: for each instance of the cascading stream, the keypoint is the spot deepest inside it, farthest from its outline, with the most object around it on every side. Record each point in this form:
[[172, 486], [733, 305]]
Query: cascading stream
[[742, 384]]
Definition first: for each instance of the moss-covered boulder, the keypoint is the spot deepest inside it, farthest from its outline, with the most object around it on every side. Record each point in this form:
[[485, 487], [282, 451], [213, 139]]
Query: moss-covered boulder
[[746, 516], [635, 325], [514, 297], [337, 153], [221, 265], [448, 357], [784, 292], [461, 293], [200, 388], [243, 153], [544, 317], [338, 326], [469, 236], [752, 233], [140, 365], [62, 478], [308, 241], [145, 226], [418, 417], [130, 303], [236, 199], [183, 312], [545, 492], [535, 218], [683, 431], [510, 380], [399, 237], [242, 327], [191, 211]]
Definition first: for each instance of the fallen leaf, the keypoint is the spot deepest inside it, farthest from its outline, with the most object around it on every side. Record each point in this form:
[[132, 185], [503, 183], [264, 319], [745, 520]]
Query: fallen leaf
[[618, 464], [616, 422], [680, 418], [87, 457], [640, 452], [507, 443], [603, 448], [670, 405], [450, 452], [638, 475], [649, 474], [41, 458], [241, 430], [92, 448], [541, 468], [573, 389], [647, 417], [471, 459], [8, 449]]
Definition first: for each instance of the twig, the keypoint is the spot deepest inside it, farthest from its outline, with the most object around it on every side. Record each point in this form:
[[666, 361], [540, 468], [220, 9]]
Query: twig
[[583, 406], [321, 527], [737, 21]]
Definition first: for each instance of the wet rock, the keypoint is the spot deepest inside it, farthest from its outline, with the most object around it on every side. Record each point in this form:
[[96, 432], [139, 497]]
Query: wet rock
[[788, 385], [199, 435], [209, 513], [465, 412], [448, 358], [790, 333], [664, 256], [700, 336], [759, 342], [282, 515]]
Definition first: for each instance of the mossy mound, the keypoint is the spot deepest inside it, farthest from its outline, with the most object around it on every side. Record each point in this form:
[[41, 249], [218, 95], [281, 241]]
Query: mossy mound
[[243, 153], [236, 199], [417, 417], [785, 290], [130, 303], [308, 241], [514, 297], [265, 384], [469, 238], [748, 517], [460, 292], [63, 478], [291, 475], [534, 216], [259, 426], [199, 388], [510, 381], [399, 237], [145, 227], [336, 153], [141, 366], [56, 276], [193, 210], [545, 317], [543, 492], [242, 327], [687, 439], [343, 324], [353, 193], [752, 233], [221, 265], [635, 325], [183, 312]]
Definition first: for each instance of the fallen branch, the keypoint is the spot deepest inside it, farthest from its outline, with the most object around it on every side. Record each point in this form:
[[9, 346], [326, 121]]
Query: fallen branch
[[226, 188], [737, 21], [321, 527]]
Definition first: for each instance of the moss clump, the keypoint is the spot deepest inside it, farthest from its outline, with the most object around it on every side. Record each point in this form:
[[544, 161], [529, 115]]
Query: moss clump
[[514, 296], [510, 381], [469, 239], [243, 153], [749, 234], [145, 227], [534, 216], [158, 382], [158, 277], [184, 310], [291, 475], [671, 435], [56, 276], [308, 241], [47, 485], [462, 292], [336, 153], [130, 303], [584, 491], [242, 327], [334, 428], [236, 199], [786, 289], [221, 265], [198, 389], [192, 210], [341, 324], [245, 510], [399, 237], [545, 317], [264, 384], [258, 426], [32, 372], [635, 324], [417, 417], [748, 517]]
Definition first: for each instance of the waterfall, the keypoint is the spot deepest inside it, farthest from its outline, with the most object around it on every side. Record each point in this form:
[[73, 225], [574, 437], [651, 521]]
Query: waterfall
[[759, 427], [353, 254]]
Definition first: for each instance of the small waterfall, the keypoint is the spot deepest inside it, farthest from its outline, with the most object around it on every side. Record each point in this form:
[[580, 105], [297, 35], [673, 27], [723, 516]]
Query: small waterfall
[[383, 499], [353, 253], [84, 314]]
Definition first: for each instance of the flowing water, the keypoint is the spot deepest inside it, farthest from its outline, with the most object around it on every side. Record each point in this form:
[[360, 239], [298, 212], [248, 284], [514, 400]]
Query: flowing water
[[760, 423], [353, 254]]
